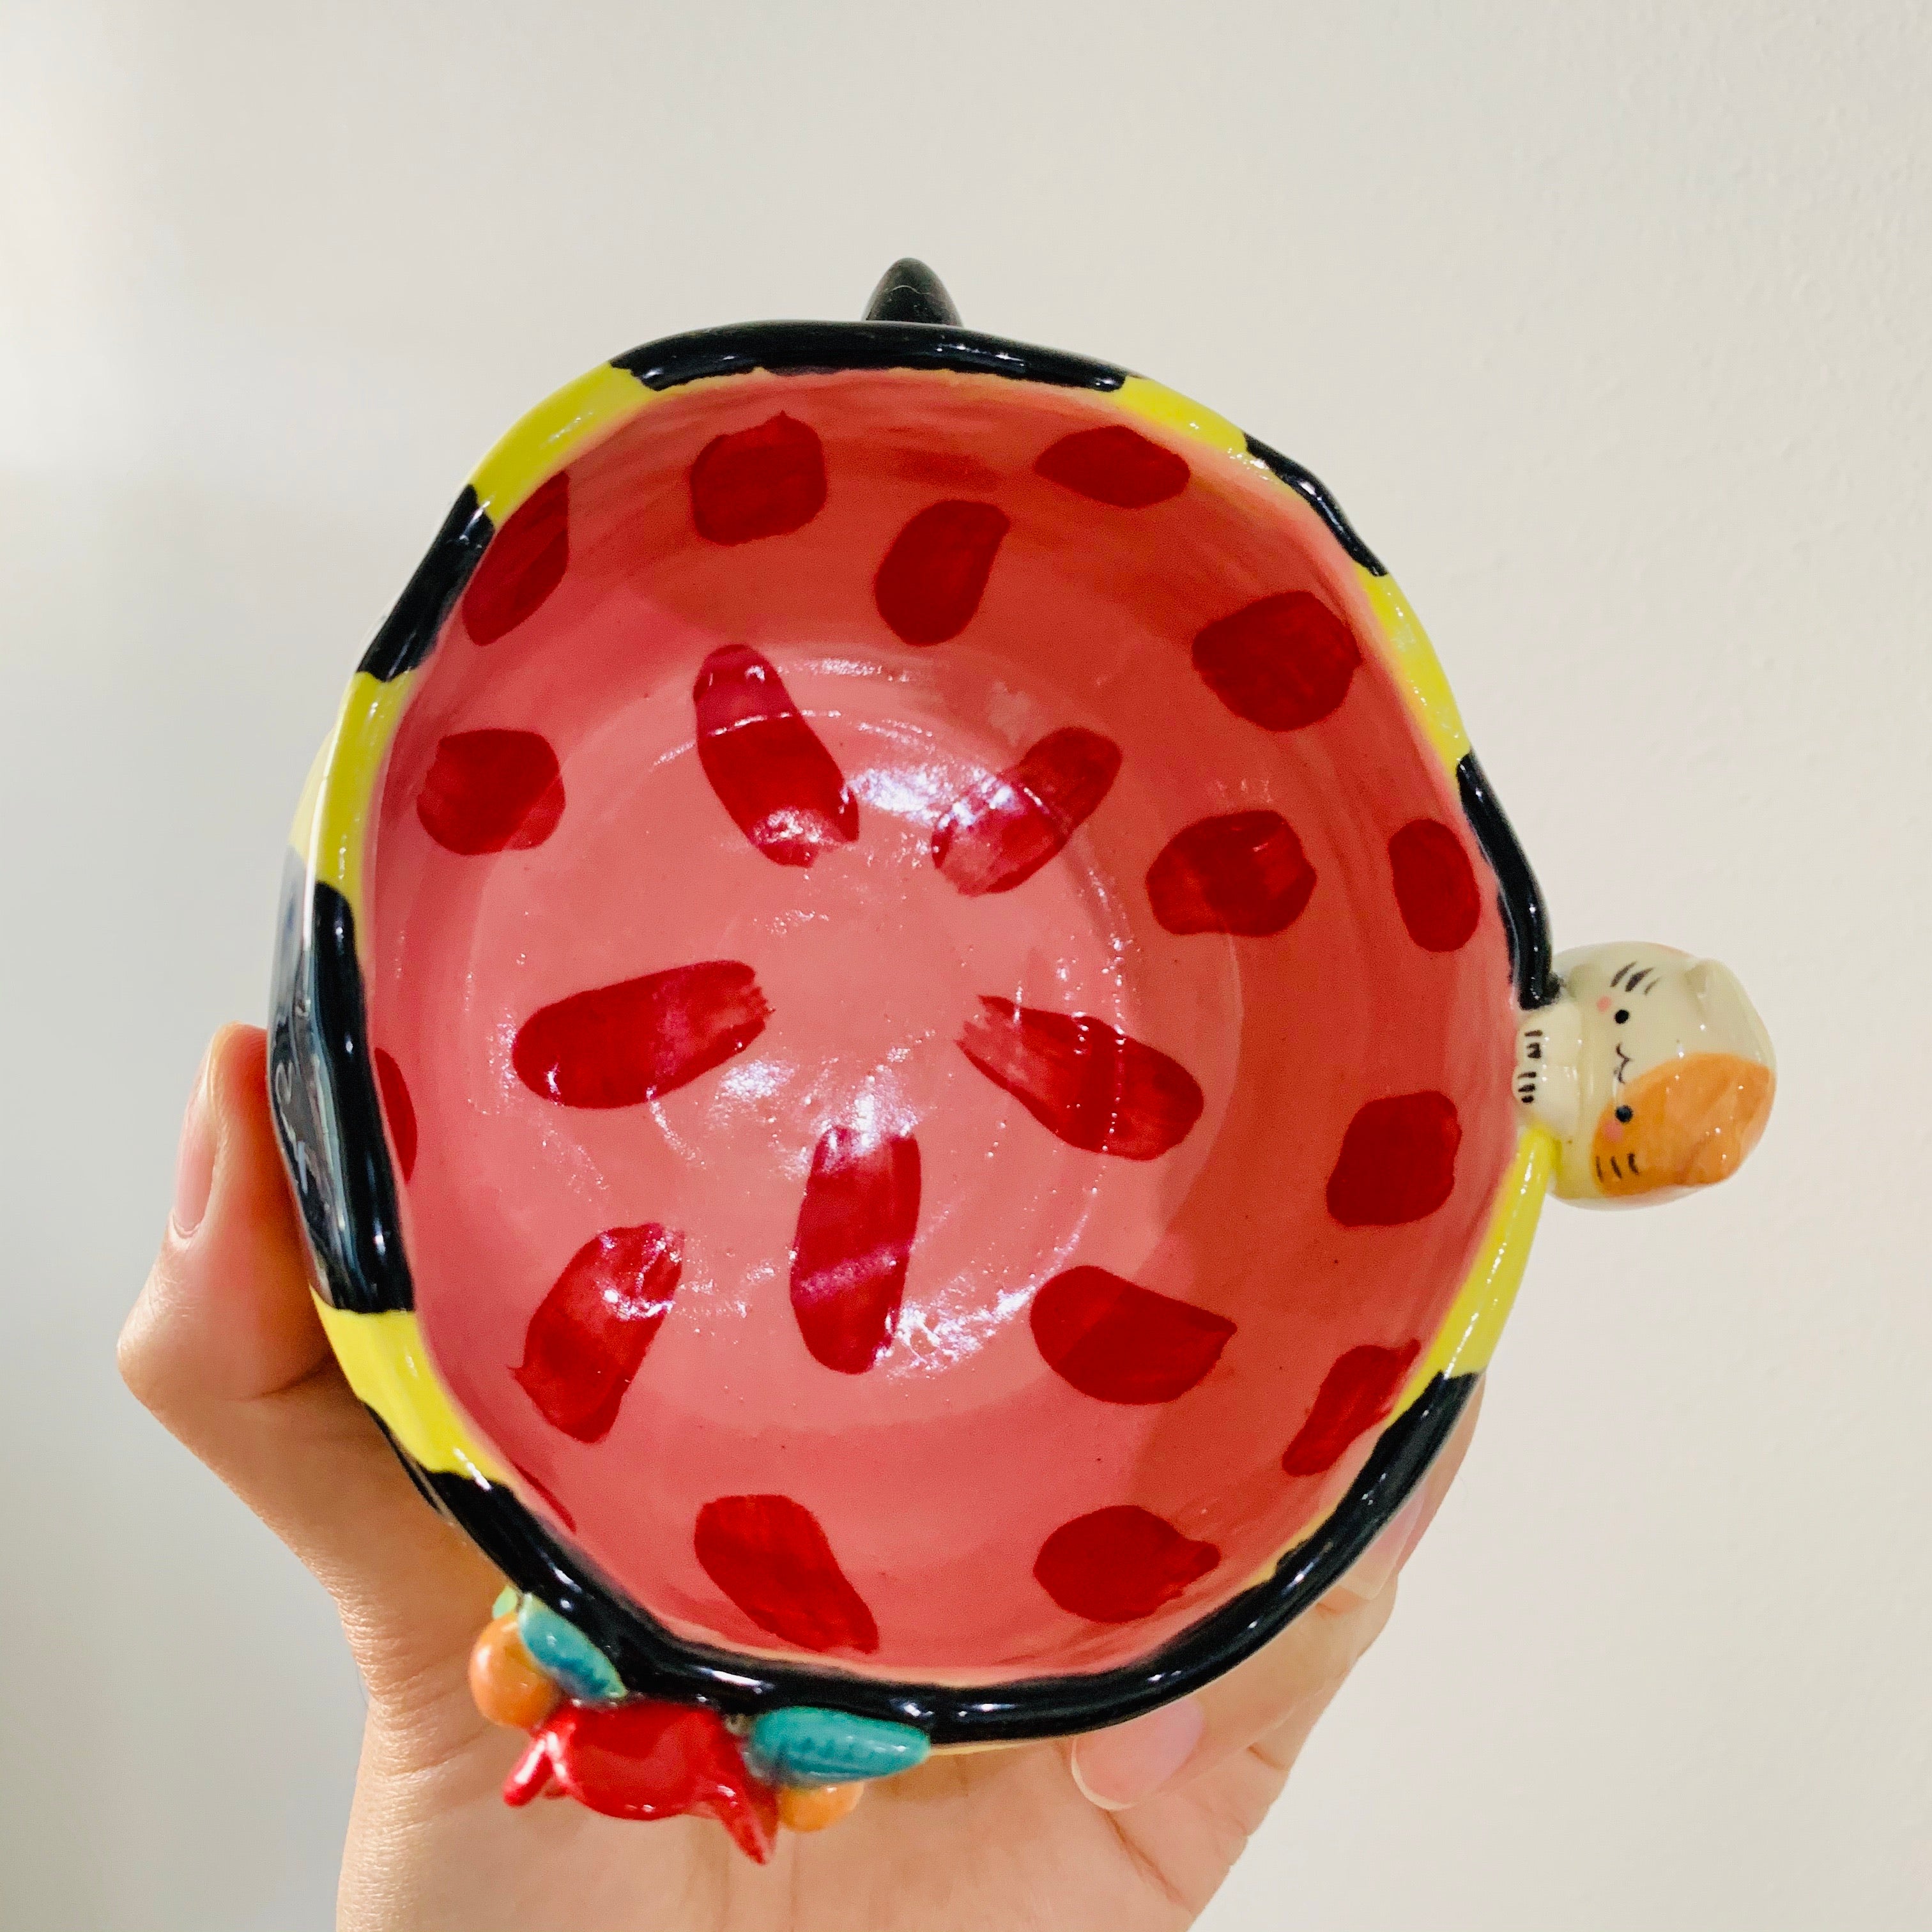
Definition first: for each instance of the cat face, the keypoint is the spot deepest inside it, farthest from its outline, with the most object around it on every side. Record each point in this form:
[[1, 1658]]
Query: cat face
[[1675, 1074]]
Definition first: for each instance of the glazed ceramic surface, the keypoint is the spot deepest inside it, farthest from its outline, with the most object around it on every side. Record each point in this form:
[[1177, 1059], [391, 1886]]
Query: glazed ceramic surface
[[918, 1062]]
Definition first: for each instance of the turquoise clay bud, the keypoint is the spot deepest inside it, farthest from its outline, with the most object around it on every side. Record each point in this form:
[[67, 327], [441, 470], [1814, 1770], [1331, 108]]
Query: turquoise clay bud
[[563, 1652], [805, 1746]]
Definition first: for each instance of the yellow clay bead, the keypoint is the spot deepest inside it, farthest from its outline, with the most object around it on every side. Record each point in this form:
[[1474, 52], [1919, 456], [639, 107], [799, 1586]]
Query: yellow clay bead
[[509, 1688], [811, 1810]]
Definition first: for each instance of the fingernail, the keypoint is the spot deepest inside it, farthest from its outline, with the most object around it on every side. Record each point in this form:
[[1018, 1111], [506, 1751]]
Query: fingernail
[[1121, 1767], [1370, 1573], [194, 1162]]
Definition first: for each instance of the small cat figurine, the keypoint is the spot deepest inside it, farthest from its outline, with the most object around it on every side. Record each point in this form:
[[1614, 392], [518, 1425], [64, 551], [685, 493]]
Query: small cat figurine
[[1651, 1067]]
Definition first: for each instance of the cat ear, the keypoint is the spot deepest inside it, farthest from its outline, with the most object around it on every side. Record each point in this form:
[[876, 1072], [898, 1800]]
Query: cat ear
[[910, 292], [1729, 1018]]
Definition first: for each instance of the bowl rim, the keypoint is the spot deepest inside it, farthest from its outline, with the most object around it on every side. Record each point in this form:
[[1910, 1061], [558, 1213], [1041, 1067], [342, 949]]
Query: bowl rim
[[323, 1088]]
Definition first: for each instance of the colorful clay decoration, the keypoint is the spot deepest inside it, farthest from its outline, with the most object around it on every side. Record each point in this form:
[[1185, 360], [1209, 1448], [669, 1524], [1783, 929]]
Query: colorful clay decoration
[[919, 1064]]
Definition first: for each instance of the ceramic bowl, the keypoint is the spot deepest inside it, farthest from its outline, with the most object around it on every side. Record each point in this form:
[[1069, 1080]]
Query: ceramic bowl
[[899, 1028]]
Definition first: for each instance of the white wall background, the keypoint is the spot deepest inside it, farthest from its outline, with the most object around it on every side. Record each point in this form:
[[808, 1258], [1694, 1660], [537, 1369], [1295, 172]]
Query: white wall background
[[1608, 323]]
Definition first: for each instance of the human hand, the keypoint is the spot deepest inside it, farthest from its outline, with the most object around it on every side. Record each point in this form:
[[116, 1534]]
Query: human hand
[[1128, 1830]]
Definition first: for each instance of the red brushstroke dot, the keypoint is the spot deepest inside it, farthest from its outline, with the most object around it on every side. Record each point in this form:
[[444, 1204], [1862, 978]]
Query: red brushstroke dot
[[935, 573], [1117, 466], [524, 561], [855, 1232], [765, 481], [1398, 1161], [1435, 885], [1355, 1395], [491, 791], [643, 1759], [590, 1333], [1118, 1342], [781, 786], [769, 1555], [1115, 1564], [1094, 1086], [1283, 662], [618, 1046], [1244, 873], [398, 1109], [998, 834]]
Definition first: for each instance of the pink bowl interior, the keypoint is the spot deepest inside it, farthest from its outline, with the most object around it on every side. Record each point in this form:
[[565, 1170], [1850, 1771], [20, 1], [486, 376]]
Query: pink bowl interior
[[970, 1487]]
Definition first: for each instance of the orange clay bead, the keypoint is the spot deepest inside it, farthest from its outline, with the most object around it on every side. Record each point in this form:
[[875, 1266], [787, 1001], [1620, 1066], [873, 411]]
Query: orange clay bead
[[509, 1688], [811, 1810]]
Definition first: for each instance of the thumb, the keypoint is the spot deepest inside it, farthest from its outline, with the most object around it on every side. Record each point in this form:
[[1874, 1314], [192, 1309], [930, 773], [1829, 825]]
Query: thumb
[[225, 1348]]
